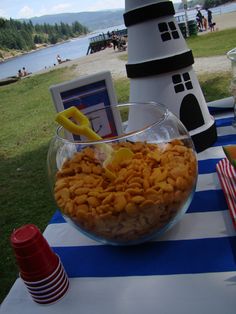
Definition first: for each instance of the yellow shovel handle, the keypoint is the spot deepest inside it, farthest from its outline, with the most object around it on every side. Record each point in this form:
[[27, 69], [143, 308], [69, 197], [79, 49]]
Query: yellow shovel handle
[[63, 118]]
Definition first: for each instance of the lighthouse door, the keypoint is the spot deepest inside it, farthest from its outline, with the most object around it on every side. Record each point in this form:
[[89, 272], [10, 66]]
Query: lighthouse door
[[190, 113]]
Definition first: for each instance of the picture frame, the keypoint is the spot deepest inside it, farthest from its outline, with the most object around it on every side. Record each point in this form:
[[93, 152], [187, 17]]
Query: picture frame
[[88, 94]]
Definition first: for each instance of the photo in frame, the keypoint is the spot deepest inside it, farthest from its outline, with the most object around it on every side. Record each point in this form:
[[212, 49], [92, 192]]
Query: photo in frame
[[89, 94]]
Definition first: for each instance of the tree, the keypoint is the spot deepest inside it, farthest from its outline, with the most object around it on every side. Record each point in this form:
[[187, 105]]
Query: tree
[[24, 35], [2, 22], [53, 39]]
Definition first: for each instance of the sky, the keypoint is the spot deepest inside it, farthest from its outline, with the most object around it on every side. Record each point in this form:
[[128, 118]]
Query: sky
[[29, 8]]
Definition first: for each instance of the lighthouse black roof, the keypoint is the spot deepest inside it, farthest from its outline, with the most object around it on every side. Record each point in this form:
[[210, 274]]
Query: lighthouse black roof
[[148, 12]]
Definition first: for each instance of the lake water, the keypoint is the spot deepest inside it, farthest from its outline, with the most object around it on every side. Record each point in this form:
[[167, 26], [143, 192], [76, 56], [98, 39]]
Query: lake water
[[45, 58], [73, 49], [40, 59]]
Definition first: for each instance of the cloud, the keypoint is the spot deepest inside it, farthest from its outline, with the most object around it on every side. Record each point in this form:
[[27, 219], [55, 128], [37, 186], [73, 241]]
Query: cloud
[[106, 4], [59, 8], [62, 7], [26, 12], [2, 13]]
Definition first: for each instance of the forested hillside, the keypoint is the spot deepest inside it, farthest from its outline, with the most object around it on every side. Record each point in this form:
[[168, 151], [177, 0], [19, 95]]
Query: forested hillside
[[93, 20], [25, 36]]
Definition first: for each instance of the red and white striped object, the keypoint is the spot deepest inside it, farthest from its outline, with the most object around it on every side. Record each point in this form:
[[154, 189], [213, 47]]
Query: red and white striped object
[[227, 176]]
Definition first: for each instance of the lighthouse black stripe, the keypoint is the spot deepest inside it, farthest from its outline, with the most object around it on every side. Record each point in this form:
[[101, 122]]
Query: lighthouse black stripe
[[160, 66], [148, 12]]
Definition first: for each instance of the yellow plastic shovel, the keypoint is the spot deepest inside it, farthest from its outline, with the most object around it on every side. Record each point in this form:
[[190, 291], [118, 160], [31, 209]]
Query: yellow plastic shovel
[[83, 128]]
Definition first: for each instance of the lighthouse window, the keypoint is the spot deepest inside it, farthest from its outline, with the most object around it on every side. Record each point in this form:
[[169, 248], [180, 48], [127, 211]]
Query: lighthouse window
[[163, 27], [186, 76], [188, 85], [167, 30], [179, 88], [165, 36], [176, 78], [175, 34], [172, 26], [187, 80]]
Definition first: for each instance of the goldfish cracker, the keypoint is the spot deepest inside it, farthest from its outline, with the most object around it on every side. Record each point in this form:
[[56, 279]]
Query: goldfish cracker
[[147, 192]]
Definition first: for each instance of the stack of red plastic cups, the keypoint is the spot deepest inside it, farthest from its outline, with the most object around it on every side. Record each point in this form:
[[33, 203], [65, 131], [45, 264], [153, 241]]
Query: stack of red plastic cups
[[40, 268]]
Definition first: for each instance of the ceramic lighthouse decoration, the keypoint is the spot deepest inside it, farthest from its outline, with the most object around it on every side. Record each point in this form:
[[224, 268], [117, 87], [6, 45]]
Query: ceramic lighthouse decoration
[[160, 67]]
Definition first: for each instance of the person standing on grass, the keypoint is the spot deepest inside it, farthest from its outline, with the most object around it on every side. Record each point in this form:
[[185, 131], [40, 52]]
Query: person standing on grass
[[209, 19], [114, 40], [199, 18], [204, 23]]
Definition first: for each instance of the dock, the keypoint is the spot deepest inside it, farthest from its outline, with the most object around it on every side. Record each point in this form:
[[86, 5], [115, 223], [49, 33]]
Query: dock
[[102, 41]]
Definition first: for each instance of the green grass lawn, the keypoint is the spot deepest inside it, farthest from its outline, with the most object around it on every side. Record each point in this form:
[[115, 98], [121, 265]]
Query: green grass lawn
[[212, 44], [27, 116], [27, 125]]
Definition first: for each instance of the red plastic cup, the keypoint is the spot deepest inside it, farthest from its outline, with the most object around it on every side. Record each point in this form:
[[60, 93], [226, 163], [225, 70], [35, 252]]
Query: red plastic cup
[[59, 295], [47, 281], [52, 290], [26, 239], [40, 268], [35, 258], [41, 279], [40, 261]]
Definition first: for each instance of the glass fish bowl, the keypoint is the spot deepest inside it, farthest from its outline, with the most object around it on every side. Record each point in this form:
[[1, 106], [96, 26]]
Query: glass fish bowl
[[128, 197]]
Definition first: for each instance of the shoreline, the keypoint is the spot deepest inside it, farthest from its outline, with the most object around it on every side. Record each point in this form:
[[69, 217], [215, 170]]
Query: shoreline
[[40, 47]]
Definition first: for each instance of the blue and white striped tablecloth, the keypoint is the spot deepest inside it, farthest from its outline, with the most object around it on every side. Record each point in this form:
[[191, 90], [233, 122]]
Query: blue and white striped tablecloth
[[190, 269]]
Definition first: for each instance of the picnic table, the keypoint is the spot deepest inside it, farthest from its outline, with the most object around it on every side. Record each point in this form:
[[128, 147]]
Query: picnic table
[[190, 269]]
